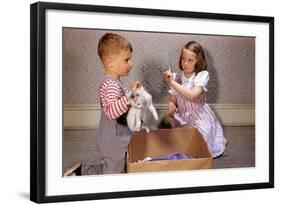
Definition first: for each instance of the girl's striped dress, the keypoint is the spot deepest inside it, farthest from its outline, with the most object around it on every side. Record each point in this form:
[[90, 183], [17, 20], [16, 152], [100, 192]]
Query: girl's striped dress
[[198, 113]]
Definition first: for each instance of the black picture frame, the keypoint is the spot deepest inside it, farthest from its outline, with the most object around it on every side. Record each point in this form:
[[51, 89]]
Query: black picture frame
[[38, 100]]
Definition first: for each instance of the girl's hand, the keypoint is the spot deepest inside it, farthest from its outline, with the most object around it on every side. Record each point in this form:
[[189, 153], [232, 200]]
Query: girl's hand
[[135, 85], [171, 109], [168, 76]]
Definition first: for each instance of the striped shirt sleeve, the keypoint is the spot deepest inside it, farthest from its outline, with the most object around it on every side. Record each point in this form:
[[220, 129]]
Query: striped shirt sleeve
[[113, 101]]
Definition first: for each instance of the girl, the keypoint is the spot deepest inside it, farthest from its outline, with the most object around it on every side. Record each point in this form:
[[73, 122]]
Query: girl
[[187, 104]]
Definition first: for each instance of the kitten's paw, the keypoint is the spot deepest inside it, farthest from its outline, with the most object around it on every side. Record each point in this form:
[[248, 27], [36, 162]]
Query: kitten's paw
[[146, 129]]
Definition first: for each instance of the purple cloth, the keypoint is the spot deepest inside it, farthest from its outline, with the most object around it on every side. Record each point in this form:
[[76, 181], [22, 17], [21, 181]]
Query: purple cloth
[[171, 157]]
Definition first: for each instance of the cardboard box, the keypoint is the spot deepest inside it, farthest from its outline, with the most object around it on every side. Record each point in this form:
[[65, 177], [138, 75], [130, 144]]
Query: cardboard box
[[164, 142]]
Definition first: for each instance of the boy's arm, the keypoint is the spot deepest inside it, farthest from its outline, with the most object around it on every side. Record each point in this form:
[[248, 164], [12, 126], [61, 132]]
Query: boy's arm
[[114, 102]]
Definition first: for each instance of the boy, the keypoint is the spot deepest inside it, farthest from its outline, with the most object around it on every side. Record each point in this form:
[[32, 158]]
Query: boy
[[113, 135]]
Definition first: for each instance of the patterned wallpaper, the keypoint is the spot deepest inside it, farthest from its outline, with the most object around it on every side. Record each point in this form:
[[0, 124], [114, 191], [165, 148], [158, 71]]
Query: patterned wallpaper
[[231, 64]]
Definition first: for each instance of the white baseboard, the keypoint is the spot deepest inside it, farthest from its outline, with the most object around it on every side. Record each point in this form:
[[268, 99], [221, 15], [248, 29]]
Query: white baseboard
[[87, 116]]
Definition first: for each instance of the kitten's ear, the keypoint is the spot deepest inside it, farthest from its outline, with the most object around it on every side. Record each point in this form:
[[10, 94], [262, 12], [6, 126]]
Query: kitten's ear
[[138, 85]]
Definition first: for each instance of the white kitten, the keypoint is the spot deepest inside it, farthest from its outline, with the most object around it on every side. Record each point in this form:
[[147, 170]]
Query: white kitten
[[141, 102]]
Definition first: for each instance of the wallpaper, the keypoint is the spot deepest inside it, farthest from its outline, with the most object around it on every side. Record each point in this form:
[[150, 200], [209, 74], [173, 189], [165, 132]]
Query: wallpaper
[[231, 64]]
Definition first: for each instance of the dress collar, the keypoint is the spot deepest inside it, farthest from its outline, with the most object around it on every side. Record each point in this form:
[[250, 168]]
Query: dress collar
[[186, 79]]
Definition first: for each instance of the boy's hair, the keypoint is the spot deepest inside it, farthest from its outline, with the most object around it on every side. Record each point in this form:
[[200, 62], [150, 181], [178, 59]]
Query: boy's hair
[[111, 43], [195, 47]]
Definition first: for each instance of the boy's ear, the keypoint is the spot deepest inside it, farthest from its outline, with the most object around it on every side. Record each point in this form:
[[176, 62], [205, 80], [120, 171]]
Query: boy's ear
[[108, 62]]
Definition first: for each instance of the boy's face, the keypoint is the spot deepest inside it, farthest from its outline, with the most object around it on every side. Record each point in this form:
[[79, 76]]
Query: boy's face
[[120, 64]]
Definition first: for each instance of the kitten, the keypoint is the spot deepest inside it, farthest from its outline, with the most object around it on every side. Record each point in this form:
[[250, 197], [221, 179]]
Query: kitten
[[141, 102]]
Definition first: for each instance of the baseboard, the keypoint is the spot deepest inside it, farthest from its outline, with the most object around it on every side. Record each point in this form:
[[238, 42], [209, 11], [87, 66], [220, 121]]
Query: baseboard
[[87, 116]]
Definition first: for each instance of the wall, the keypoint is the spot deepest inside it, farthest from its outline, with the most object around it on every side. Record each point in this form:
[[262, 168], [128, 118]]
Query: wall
[[231, 64]]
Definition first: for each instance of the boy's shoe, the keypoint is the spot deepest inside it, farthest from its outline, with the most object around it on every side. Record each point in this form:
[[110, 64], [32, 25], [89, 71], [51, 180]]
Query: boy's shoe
[[72, 170]]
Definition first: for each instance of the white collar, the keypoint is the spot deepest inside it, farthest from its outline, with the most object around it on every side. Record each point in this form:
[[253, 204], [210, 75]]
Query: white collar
[[186, 79]]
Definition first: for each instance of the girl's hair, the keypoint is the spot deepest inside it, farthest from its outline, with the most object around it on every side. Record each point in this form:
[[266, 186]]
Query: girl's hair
[[195, 47], [112, 43]]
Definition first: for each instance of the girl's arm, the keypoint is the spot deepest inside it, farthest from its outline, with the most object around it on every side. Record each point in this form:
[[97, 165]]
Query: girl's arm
[[190, 94], [173, 99], [172, 105]]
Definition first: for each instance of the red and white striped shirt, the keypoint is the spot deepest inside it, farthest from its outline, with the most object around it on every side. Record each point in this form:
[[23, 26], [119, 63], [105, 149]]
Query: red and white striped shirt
[[113, 101]]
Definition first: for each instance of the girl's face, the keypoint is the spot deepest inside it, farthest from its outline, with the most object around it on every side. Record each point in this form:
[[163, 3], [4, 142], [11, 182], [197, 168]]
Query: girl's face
[[121, 64], [188, 61]]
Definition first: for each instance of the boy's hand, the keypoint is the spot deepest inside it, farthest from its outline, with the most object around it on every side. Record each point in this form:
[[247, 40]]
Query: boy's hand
[[168, 76], [135, 85]]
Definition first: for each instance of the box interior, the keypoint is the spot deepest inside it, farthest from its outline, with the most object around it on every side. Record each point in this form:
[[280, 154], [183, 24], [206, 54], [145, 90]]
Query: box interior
[[164, 142]]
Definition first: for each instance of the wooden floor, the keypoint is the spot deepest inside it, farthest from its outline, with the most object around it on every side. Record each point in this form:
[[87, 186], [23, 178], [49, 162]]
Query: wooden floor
[[79, 145]]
